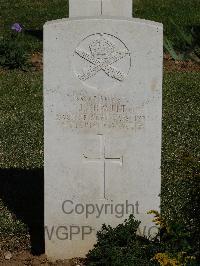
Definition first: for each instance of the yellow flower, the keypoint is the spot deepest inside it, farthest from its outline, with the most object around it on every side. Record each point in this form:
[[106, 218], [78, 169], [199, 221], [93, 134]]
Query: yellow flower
[[158, 220], [165, 260]]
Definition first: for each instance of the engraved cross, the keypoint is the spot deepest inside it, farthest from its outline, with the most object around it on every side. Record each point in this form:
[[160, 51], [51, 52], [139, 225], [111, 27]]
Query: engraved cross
[[102, 158]]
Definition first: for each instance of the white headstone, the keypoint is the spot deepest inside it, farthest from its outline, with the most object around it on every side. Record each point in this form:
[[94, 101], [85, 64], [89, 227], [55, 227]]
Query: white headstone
[[80, 8], [103, 109]]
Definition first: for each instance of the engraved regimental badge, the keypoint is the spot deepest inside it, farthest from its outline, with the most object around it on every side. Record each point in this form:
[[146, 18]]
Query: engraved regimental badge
[[102, 60]]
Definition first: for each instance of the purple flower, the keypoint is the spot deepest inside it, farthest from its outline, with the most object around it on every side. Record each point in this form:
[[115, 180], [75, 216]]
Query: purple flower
[[16, 27]]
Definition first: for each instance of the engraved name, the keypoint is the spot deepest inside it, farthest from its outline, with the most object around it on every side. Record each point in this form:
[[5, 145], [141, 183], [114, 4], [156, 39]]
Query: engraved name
[[99, 112]]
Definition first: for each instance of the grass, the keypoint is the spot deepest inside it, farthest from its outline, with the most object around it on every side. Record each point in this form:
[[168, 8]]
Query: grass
[[33, 14], [13, 233], [183, 13], [22, 116], [21, 149], [180, 194]]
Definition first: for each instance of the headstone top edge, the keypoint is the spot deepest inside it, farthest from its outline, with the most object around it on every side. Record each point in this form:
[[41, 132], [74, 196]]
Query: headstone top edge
[[134, 20]]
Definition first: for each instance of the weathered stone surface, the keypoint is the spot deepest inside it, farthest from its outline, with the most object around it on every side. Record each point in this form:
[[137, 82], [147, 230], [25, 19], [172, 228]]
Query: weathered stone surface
[[79, 8], [103, 110]]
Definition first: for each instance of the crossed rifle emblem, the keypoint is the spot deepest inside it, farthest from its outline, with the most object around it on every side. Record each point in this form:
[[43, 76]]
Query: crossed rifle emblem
[[103, 54]]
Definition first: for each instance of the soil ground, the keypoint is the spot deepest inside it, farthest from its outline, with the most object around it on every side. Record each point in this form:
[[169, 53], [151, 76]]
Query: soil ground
[[26, 258]]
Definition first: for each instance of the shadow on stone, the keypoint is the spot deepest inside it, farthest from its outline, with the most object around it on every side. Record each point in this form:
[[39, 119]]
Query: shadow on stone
[[23, 193]]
